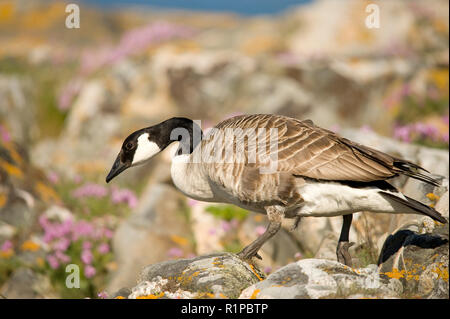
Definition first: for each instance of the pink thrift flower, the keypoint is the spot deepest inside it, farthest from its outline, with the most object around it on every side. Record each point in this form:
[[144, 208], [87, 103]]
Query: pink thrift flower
[[260, 230], [82, 228], [4, 134], [268, 270], [53, 261], [124, 196], [7, 245], [108, 233], [175, 252], [68, 93], [87, 257], [87, 245], [89, 271], [62, 257], [102, 295], [62, 244], [403, 133], [90, 190], [53, 177], [192, 202], [226, 226], [298, 256], [335, 128], [103, 248]]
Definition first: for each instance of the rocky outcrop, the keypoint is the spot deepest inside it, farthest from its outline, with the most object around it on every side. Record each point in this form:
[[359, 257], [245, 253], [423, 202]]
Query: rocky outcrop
[[156, 228], [319, 278], [220, 275], [25, 283], [411, 265], [418, 263]]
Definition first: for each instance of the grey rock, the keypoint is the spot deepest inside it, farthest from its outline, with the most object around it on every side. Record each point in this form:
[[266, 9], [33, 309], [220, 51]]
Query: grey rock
[[418, 261], [24, 283], [17, 107], [148, 234], [318, 278], [219, 275]]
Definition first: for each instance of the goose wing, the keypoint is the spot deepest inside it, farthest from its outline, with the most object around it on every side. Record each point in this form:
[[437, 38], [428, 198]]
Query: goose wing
[[307, 150]]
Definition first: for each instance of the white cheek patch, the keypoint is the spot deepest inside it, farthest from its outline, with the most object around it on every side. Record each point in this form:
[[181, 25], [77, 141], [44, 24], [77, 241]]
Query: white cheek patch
[[145, 150]]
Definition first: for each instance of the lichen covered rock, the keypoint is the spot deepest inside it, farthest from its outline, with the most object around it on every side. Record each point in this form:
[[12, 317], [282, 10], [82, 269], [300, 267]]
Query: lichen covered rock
[[419, 262], [219, 275], [318, 278]]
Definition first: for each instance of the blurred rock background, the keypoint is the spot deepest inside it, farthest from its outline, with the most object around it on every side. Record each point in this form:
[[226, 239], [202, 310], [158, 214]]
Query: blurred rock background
[[68, 97]]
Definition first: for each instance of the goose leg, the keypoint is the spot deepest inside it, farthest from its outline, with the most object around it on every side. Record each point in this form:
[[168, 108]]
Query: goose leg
[[251, 250], [343, 256]]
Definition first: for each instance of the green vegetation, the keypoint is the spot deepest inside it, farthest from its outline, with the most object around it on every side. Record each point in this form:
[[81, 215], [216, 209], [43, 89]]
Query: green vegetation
[[227, 212]]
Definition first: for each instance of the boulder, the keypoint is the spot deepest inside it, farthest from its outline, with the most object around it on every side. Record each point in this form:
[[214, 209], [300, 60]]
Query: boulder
[[25, 283], [419, 262], [159, 224], [318, 278], [219, 275]]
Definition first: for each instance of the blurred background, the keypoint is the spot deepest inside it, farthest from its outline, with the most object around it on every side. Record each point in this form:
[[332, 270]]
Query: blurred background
[[69, 96]]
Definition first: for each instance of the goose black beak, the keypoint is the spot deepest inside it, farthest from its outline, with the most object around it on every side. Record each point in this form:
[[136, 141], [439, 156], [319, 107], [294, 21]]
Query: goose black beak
[[117, 168]]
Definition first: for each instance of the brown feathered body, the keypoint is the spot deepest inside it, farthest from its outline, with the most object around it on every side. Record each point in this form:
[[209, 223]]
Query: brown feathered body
[[299, 167]]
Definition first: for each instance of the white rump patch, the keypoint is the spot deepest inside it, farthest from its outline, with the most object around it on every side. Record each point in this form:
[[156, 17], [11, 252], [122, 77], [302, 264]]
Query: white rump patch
[[145, 150], [334, 199]]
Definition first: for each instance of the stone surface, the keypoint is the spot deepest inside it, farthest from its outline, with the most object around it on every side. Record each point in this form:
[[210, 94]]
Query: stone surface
[[318, 278], [219, 275], [418, 261], [158, 225], [25, 283]]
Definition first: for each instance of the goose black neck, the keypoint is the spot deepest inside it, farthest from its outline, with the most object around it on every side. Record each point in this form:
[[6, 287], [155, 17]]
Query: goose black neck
[[181, 129]]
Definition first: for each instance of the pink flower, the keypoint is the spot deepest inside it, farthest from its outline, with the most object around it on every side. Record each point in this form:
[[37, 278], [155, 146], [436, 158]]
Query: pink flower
[[192, 202], [7, 245], [82, 228], [62, 257], [365, 129], [87, 245], [175, 252], [108, 233], [335, 128], [53, 261], [87, 257], [102, 295], [4, 134], [124, 196], [53, 177], [103, 248], [132, 42], [226, 226], [260, 230], [62, 244], [90, 190], [89, 271], [68, 93], [298, 256], [268, 270], [403, 133]]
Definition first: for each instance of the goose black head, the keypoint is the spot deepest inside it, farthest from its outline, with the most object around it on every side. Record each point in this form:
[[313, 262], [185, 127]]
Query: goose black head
[[142, 145]]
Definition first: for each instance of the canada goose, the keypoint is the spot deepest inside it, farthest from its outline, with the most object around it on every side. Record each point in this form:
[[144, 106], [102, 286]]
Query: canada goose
[[317, 172]]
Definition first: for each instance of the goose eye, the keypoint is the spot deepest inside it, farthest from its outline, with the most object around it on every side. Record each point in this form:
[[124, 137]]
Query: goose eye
[[129, 146]]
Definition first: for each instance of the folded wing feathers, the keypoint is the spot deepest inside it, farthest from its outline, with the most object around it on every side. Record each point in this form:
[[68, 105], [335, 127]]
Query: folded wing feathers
[[305, 149]]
